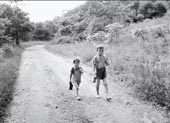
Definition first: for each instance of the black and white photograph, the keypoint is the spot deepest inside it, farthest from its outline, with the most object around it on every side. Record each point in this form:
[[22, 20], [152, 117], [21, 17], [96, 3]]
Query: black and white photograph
[[84, 61]]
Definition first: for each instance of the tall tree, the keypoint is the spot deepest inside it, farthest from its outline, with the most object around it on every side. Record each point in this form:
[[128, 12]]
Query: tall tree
[[19, 23]]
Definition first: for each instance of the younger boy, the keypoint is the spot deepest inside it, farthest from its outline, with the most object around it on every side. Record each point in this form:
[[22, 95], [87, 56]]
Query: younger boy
[[100, 61], [75, 75]]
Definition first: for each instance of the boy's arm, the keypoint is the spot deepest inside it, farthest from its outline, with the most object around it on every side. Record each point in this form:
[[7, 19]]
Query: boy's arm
[[70, 76], [94, 68], [71, 73], [81, 70], [94, 65], [107, 61]]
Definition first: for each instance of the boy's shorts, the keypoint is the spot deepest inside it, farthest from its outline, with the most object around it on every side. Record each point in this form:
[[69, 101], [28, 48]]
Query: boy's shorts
[[101, 73], [76, 83]]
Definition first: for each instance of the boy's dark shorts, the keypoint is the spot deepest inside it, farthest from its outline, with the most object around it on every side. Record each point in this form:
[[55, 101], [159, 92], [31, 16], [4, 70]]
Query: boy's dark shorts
[[101, 73]]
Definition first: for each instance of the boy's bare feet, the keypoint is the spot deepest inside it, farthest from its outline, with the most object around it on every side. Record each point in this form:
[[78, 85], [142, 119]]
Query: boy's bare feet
[[108, 98], [78, 98], [98, 96]]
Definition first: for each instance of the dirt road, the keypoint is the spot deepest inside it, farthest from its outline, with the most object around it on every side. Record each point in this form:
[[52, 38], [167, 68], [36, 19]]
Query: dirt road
[[42, 95]]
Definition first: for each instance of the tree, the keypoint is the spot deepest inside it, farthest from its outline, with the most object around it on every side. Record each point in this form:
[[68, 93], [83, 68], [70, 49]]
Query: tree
[[27, 29], [51, 26], [135, 6], [114, 32], [3, 37], [147, 9], [41, 32], [160, 9], [19, 23]]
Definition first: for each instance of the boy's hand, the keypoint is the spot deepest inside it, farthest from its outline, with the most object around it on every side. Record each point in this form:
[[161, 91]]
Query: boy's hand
[[81, 70], [94, 73]]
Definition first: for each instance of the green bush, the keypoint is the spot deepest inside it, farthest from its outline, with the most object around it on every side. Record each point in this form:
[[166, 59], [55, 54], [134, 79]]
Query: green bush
[[42, 34], [140, 17], [160, 9], [66, 31], [65, 39], [80, 37], [152, 83], [8, 51], [147, 10], [151, 10]]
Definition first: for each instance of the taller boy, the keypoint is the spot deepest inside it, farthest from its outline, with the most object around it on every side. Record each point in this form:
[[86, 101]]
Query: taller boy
[[100, 61]]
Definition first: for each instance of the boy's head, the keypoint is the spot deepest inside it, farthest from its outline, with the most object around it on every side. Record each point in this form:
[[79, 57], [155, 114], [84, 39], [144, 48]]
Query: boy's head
[[100, 50], [76, 62]]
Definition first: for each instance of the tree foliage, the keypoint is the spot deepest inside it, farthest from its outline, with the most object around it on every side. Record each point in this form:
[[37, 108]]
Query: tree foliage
[[15, 24], [43, 31], [94, 16]]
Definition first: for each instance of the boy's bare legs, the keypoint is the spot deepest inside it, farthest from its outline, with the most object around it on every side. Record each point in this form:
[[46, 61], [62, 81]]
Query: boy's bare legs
[[97, 86], [105, 85], [106, 88], [77, 91]]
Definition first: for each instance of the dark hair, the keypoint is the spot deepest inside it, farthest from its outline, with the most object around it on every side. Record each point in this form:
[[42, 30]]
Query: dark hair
[[77, 60], [100, 47]]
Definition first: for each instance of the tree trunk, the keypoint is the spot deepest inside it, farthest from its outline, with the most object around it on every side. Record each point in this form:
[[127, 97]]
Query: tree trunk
[[17, 38]]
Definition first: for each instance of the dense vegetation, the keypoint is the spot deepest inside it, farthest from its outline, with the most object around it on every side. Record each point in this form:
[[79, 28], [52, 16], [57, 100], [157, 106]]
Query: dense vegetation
[[94, 16], [14, 23], [15, 26], [77, 24]]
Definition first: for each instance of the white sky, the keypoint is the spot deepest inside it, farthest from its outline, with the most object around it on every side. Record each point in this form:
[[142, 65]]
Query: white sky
[[40, 11]]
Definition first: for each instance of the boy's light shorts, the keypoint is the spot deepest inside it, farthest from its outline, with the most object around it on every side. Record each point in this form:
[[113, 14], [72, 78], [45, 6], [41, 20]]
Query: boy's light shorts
[[76, 83]]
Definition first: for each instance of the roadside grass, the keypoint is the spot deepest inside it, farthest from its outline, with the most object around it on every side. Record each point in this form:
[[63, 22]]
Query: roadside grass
[[10, 58], [32, 43], [84, 50], [9, 66]]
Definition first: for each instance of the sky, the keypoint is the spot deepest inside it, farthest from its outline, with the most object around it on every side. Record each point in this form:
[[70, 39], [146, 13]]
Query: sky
[[40, 11]]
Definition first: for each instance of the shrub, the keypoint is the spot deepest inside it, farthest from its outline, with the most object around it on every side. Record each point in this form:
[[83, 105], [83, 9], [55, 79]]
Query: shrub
[[160, 9], [147, 10], [42, 34], [150, 9], [140, 17], [65, 31], [153, 83], [80, 37], [98, 37], [8, 51], [65, 39], [127, 20]]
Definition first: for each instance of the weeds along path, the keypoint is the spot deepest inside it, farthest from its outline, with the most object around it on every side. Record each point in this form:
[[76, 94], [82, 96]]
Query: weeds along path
[[42, 95]]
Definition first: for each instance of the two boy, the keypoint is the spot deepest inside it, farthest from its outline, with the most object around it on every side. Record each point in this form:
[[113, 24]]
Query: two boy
[[100, 61]]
